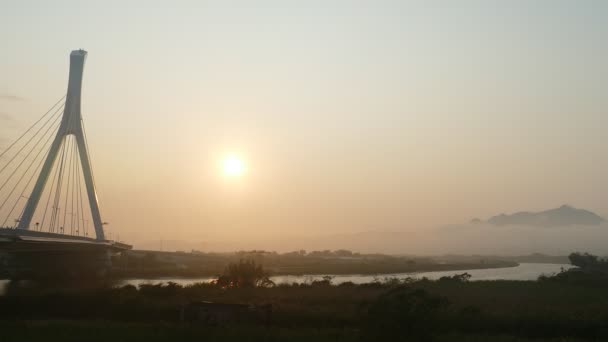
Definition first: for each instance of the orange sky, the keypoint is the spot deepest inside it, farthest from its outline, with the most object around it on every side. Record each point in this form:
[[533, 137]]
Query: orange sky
[[350, 115]]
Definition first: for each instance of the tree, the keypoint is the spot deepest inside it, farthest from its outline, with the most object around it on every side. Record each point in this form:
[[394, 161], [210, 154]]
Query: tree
[[584, 261], [245, 273]]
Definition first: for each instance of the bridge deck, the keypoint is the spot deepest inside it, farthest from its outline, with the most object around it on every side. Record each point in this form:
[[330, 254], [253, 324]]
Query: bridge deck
[[23, 239]]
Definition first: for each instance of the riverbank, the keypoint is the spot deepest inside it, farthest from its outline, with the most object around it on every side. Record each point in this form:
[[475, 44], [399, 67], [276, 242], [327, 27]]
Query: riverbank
[[523, 272], [154, 264], [448, 309], [369, 270]]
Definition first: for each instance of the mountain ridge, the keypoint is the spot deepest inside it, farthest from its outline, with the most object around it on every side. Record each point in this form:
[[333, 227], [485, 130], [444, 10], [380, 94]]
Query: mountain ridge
[[565, 215]]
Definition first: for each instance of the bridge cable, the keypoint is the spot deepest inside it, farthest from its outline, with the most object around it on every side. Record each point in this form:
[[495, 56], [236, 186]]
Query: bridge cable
[[73, 188], [45, 134], [70, 176], [68, 161], [27, 143], [66, 142], [30, 151], [80, 188], [46, 143], [86, 143], [36, 172], [48, 200], [21, 195], [78, 199], [79, 215], [76, 193], [75, 214], [66, 177], [10, 177], [55, 206], [32, 126]]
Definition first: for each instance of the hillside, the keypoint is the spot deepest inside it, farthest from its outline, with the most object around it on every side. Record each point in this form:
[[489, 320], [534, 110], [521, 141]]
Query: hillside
[[562, 216]]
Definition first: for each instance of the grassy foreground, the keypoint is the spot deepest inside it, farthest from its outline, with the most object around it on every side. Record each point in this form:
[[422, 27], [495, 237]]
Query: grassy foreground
[[451, 309], [95, 331]]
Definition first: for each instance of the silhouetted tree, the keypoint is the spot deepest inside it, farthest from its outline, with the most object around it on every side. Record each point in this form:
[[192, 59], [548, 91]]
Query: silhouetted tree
[[456, 278], [245, 273], [584, 261]]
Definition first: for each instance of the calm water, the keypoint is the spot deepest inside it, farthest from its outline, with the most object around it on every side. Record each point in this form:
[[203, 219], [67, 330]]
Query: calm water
[[522, 272], [527, 271]]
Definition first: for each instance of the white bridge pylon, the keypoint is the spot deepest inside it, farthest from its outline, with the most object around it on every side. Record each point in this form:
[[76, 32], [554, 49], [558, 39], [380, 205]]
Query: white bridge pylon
[[71, 124]]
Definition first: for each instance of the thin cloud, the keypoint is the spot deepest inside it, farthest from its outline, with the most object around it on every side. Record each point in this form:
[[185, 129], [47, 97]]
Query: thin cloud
[[9, 97]]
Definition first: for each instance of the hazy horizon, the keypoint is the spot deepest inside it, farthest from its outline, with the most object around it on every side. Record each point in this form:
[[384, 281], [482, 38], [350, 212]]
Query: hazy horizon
[[347, 116]]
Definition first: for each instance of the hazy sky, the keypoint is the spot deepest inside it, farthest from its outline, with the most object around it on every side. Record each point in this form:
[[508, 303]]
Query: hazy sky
[[351, 115]]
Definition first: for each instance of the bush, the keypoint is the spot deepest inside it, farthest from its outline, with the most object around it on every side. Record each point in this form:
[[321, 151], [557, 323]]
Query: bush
[[245, 273], [160, 290], [404, 311], [457, 278], [588, 262]]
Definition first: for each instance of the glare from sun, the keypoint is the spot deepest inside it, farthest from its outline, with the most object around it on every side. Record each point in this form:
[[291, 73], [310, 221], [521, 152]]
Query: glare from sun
[[233, 166]]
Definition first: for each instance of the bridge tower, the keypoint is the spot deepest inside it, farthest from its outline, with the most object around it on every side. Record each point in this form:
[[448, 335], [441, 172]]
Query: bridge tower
[[71, 124]]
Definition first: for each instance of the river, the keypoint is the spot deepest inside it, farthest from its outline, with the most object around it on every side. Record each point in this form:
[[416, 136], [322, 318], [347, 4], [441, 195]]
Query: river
[[525, 271]]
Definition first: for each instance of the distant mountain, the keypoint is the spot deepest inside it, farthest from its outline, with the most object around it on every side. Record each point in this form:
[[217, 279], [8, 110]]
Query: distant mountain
[[562, 216]]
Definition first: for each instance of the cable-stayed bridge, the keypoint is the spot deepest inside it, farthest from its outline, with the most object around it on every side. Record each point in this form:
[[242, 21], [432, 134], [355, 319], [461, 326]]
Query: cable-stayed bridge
[[50, 219]]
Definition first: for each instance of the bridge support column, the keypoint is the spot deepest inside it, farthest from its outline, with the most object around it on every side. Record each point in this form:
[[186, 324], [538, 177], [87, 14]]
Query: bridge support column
[[71, 124]]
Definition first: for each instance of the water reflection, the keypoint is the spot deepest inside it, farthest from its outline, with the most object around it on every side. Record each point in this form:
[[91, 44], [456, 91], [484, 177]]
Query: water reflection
[[525, 271]]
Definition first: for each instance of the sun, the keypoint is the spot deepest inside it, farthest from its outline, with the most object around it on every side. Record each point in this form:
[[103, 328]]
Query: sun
[[233, 166]]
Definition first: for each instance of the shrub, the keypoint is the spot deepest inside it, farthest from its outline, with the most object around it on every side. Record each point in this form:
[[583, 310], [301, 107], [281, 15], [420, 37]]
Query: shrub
[[160, 290], [404, 311], [583, 261], [245, 273], [457, 278]]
